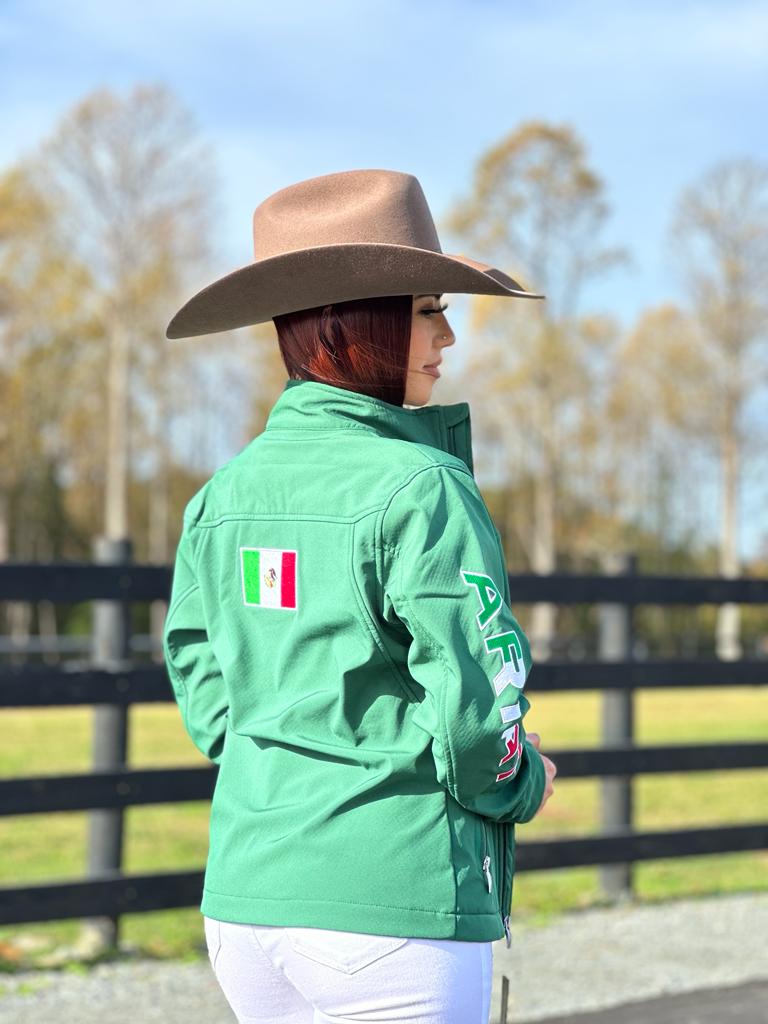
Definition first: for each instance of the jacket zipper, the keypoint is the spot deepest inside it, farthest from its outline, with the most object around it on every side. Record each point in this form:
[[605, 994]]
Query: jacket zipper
[[502, 875], [505, 910], [486, 858]]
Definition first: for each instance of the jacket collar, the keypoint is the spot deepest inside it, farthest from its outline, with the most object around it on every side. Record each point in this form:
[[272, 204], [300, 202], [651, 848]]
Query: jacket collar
[[312, 405]]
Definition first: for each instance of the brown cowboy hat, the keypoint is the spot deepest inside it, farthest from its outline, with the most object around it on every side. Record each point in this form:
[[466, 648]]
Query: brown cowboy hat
[[350, 235]]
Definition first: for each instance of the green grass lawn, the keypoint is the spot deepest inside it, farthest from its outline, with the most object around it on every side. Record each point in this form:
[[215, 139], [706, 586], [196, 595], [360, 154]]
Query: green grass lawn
[[165, 837]]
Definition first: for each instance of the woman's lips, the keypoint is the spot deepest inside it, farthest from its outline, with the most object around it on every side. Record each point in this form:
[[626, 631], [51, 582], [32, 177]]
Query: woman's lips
[[433, 370]]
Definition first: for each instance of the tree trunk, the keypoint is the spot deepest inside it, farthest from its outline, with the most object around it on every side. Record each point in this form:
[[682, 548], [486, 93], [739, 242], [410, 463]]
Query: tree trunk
[[5, 555], [543, 620], [116, 496], [728, 639], [159, 503]]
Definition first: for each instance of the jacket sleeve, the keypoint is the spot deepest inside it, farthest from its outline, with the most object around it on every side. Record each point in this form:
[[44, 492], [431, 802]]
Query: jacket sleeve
[[194, 673], [444, 574]]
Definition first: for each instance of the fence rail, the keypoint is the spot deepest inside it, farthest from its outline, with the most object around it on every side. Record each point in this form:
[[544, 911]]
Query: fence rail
[[71, 582], [43, 794], [45, 686], [112, 683]]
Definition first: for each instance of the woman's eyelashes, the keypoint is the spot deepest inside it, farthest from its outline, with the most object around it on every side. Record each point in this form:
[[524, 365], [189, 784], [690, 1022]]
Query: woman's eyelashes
[[431, 312]]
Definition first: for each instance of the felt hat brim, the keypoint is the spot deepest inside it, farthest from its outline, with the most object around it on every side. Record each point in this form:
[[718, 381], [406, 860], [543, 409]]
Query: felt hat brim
[[318, 276]]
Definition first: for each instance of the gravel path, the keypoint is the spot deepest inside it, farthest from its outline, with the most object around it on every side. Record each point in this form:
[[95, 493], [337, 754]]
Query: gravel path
[[596, 959], [590, 960]]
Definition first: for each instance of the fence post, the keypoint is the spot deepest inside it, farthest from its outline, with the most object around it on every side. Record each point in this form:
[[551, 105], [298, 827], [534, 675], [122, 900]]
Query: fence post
[[615, 644], [111, 649]]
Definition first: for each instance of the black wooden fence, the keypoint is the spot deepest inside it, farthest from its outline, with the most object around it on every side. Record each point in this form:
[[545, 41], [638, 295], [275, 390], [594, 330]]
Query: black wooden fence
[[112, 683]]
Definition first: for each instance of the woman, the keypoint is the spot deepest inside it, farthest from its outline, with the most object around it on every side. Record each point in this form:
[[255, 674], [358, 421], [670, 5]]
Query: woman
[[339, 637]]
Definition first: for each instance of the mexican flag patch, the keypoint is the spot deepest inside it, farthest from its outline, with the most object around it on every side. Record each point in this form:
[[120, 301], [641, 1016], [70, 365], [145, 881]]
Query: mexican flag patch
[[269, 577]]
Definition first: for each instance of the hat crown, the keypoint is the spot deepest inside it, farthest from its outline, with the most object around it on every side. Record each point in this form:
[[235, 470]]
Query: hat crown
[[368, 206]]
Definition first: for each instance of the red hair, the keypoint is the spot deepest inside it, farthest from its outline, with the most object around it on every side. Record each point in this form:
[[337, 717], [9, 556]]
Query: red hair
[[361, 345]]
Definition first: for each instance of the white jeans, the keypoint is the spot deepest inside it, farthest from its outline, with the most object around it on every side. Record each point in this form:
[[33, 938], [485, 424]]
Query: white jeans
[[275, 975]]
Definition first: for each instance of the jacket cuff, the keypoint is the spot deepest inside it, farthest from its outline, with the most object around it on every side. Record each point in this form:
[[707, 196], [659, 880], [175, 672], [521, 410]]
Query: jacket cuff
[[536, 781]]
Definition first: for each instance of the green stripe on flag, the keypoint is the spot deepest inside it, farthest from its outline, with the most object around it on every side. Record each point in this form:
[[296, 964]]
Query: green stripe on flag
[[251, 576]]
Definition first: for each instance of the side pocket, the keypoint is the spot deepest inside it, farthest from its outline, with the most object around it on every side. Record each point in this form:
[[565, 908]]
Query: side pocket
[[212, 939], [346, 952]]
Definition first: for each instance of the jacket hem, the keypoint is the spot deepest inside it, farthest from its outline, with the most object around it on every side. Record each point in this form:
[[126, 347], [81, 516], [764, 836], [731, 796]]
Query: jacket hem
[[371, 919]]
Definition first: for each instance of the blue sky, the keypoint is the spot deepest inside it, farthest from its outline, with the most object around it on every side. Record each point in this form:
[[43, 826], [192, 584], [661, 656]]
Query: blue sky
[[657, 92]]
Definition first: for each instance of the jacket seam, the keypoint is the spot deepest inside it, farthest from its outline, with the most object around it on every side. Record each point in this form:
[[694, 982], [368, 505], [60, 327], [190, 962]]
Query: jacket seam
[[463, 469], [409, 693], [449, 825], [440, 446], [379, 548], [292, 517], [351, 903], [194, 553], [275, 431], [338, 425], [349, 520], [450, 775], [395, 548], [171, 647], [181, 598]]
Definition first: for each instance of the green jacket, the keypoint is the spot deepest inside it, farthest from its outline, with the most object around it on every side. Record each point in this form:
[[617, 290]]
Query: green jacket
[[340, 643]]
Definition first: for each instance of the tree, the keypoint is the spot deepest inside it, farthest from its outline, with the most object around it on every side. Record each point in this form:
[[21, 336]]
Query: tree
[[128, 182], [657, 400], [536, 210], [41, 327], [720, 236]]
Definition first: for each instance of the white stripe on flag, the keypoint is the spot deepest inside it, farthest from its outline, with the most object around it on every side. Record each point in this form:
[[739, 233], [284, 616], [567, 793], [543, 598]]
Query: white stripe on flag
[[271, 559]]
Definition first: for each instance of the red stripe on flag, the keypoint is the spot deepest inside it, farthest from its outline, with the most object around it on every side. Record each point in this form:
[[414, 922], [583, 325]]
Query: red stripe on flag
[[288, 580]]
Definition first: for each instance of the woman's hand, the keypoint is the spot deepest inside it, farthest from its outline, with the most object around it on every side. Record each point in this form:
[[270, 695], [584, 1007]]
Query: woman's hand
[[549, 767]]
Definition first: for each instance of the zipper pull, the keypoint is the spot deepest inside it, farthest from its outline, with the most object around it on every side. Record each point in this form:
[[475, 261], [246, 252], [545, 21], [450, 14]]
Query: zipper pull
[[507, 930], [487, 872]]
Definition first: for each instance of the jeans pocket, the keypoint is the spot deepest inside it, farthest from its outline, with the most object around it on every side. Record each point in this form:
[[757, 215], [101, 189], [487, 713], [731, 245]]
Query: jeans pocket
[[346, 952], [212, 939]]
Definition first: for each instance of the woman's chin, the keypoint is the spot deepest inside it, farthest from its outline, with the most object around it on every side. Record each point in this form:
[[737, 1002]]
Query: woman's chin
[[420, 394]]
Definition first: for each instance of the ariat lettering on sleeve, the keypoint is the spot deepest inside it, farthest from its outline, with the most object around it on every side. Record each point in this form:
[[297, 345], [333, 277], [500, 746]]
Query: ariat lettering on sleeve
[[447, 581], [512, 672]]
